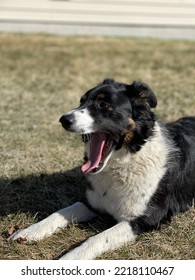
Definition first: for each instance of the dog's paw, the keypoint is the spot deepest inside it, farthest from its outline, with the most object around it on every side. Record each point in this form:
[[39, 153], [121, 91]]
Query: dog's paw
[[18, 236], [32, 233]]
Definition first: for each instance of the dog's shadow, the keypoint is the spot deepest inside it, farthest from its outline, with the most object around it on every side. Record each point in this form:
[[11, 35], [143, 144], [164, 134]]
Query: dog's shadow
[[43, 194]]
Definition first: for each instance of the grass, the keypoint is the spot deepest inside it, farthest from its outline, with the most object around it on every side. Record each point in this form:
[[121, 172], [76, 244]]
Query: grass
[[41, 77]]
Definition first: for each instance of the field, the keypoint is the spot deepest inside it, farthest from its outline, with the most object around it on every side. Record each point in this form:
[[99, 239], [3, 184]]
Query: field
[[41, 77]]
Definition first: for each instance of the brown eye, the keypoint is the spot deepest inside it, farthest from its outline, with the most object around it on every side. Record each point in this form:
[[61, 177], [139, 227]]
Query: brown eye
[[104, 105]]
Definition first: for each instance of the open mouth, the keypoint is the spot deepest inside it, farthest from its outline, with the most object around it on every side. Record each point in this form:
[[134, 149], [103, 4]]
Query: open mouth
[[101, 146]]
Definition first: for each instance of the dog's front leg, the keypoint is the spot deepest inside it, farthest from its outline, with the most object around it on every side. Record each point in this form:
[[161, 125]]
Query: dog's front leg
[[109, 239], [78, 212]]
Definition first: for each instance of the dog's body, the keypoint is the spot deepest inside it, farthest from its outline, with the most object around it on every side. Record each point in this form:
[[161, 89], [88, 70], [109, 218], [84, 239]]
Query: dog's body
[[142, 172]]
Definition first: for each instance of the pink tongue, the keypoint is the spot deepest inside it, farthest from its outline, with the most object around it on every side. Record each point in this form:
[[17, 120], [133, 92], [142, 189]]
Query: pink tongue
[[97, 144]]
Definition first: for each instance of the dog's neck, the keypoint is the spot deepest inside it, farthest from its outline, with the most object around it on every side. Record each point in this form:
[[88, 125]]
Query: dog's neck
[[154, 151], [130, 175]]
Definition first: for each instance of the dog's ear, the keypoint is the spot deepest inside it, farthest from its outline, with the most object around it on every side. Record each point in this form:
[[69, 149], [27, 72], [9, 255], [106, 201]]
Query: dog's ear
[[141, 93]]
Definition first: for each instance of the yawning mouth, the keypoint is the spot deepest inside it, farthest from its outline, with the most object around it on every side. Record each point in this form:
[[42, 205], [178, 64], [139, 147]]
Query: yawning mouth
[[100, 147]]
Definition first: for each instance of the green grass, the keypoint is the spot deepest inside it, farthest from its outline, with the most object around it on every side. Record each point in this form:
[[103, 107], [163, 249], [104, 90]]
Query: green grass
[[41, 77]]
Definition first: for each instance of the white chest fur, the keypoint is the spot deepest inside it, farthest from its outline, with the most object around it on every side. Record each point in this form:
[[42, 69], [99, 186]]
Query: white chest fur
[[126, 184]]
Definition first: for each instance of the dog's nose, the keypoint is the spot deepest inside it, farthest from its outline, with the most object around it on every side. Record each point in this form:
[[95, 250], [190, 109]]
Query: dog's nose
[[67, 121]]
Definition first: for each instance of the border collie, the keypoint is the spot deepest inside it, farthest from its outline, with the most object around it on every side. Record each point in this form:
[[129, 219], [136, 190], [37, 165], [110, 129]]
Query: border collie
[[141, 171]]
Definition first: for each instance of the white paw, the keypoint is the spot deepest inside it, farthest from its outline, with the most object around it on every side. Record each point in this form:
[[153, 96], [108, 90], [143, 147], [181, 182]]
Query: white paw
[[31, 233], [41, 229]]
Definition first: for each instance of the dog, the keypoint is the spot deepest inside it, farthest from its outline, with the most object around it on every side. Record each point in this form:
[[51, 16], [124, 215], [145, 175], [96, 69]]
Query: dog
[[141, 171]]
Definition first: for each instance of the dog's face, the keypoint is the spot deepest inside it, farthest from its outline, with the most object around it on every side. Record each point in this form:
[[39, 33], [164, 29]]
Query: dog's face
[[110, 116]]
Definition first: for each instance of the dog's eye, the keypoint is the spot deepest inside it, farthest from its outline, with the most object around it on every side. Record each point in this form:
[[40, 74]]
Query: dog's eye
[[104, 105]]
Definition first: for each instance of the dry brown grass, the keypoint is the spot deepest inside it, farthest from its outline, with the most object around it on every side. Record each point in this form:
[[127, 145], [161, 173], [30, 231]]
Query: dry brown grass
[[41, 77]]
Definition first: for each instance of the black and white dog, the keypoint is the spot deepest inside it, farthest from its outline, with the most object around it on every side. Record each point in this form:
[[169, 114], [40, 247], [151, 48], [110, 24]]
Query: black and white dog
[[142, 172]]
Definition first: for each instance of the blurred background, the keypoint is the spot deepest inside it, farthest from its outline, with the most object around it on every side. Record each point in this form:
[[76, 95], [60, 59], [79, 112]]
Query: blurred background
[[141, 18]]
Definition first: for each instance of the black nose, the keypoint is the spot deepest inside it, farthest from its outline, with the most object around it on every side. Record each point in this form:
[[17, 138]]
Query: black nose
[[67, 121]]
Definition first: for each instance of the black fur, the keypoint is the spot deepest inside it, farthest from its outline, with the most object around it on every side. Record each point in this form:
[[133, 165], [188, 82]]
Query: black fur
[[132, 101], [176, 191]]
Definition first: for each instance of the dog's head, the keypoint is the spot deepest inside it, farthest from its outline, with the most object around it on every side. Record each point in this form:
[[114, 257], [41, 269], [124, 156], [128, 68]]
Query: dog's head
[[110, 116]]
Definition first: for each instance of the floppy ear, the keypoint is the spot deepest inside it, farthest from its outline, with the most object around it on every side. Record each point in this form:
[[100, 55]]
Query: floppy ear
[[141, 93]]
